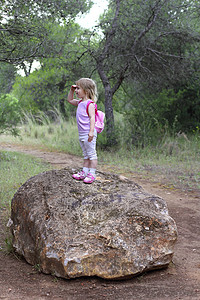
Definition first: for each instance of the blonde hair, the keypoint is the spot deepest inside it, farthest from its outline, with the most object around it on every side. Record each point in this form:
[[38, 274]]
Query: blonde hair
[[89, 87]]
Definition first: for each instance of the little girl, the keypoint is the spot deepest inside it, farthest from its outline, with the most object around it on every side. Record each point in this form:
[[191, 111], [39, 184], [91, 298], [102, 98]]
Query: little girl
[[85, 90]]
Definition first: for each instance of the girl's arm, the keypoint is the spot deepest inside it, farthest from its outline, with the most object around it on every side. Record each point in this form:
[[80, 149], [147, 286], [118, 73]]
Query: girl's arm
[[70, 97], [91, 112]]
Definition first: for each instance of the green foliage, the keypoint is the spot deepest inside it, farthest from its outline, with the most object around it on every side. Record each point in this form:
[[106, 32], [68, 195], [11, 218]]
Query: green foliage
[[41, 91], [48, 87], [9, 114], [144, 41], [148, 38], [38, 91], [23, 30], [185, 108], [150, 116], [153, 43]]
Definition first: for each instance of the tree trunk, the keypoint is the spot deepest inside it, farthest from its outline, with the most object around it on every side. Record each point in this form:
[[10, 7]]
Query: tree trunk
[[110, 127], [62, 106]]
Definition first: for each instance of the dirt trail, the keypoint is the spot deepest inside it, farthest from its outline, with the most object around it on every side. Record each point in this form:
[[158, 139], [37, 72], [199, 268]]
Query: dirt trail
[[181, 280]]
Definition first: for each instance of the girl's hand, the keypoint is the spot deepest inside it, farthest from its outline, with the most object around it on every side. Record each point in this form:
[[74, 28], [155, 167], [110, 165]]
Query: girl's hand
[[70, 97], [90, 137]]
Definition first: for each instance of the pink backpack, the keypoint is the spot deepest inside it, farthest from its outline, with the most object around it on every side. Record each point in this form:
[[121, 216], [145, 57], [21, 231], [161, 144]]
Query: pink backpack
[[99, 118]]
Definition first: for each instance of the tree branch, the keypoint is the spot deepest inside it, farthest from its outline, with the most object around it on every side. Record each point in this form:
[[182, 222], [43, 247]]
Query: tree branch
[[110, 34], [150, 23], [141, 66], [19, 59], [158, 53], [120, 79]]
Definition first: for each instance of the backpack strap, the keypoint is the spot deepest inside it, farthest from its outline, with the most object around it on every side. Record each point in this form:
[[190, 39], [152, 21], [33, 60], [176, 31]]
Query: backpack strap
[[89, 102]]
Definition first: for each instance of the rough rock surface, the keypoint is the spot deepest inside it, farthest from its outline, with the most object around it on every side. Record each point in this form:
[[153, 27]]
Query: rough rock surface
[[111, 228]]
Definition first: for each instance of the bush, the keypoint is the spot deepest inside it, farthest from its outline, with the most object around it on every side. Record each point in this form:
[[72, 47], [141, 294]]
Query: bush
[[43, 90], [9, 114], [35, 92], [151, 117]]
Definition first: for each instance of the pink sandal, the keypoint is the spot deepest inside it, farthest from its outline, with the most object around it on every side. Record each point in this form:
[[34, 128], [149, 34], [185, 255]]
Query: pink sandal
[[89, 179], [79, 176]]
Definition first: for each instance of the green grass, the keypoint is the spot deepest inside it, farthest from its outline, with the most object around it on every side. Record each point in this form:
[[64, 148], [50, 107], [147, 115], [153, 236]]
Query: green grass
[[15, 169]]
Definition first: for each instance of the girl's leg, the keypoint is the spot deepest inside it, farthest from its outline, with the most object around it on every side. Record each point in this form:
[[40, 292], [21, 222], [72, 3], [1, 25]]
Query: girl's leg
[[93, 167], [92, 164], [86, 165], [90, 158], [91, 152], [82, 175]]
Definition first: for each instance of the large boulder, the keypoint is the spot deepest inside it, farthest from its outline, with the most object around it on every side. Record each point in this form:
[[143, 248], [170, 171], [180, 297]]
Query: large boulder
[[111, 228]]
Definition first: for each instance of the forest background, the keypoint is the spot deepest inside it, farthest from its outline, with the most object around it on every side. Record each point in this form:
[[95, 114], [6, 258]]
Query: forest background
[[143, 55]]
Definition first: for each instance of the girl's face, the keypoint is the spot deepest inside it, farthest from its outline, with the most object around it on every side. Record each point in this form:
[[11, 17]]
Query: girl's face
[[80, 92]]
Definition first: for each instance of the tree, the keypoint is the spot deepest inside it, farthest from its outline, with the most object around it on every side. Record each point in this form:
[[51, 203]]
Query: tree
[[46, 88], [28, 32], [25, 26], [147, 40]]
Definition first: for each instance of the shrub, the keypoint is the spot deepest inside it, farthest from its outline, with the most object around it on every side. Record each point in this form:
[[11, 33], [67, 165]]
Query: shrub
[[9, 114]]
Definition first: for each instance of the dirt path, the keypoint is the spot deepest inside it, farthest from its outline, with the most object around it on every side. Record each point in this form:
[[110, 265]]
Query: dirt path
[[181, 280]]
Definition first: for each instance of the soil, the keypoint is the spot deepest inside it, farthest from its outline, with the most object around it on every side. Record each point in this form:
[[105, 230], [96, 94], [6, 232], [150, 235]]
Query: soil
[[181, 280]]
